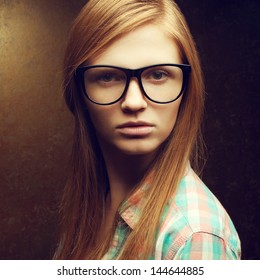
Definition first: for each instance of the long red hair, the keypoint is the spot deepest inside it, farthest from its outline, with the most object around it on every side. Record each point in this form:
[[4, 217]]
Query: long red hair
[[97, 26]]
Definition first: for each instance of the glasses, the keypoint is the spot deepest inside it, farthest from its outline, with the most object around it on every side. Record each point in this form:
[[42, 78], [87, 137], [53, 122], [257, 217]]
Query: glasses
[[160, 83]]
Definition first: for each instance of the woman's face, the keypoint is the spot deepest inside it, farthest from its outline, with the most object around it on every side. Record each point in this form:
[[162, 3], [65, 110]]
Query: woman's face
[[135, 125]]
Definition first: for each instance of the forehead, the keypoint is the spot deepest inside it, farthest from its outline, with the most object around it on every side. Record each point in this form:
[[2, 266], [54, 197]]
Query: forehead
[[146, 45]]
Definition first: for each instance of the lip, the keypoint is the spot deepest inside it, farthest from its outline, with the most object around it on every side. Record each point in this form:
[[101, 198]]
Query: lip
[[135, 129]]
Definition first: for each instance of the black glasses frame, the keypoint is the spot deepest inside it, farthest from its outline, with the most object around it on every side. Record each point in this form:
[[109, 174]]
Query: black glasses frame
[[132, 73]]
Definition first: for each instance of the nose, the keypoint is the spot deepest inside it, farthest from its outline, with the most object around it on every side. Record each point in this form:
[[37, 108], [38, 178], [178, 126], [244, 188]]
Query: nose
[[134, 99]]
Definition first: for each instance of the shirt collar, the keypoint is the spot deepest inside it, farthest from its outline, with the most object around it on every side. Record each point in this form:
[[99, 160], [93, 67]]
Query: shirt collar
[[131, 209]]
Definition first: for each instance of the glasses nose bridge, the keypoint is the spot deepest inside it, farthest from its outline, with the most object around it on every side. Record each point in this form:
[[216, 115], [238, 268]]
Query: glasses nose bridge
[[133, 73]]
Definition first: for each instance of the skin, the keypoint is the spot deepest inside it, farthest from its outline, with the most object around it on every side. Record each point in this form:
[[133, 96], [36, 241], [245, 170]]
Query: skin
[[128, 156]]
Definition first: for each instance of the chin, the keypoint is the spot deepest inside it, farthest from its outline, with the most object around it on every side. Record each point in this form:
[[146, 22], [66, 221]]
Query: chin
[[138, 149]]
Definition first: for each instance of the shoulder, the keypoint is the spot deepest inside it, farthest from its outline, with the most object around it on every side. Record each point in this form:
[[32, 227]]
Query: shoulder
[[194, 224]]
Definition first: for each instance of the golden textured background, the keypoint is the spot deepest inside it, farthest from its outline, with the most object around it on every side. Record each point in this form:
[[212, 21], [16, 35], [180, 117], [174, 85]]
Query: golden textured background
[[35, 126]]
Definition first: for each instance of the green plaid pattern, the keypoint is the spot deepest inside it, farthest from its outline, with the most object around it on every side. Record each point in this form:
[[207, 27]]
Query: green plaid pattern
[[194, 225]]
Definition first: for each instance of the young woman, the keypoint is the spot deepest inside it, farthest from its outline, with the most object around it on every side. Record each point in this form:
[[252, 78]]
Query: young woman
[[133, 81]]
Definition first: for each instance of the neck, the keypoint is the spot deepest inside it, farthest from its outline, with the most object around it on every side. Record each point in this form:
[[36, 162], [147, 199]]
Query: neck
[[124, 173]]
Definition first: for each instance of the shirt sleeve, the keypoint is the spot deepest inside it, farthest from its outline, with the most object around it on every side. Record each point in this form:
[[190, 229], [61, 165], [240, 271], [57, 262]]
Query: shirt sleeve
[[205, 246]]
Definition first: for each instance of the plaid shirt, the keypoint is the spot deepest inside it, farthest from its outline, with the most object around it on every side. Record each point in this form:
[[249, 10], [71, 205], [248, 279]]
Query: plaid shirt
[[194, 225]]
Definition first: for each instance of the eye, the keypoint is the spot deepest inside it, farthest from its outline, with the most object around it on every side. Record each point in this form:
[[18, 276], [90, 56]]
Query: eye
[[158, 75], [155, 75], [107, 77], [104, 77]]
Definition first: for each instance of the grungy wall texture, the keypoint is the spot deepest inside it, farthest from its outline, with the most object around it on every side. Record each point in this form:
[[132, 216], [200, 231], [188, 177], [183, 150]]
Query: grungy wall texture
[[36, 128]]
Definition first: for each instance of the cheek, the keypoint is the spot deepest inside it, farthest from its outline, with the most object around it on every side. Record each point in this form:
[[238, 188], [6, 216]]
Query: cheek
[[169, 116], [101, 118], [97, 120]]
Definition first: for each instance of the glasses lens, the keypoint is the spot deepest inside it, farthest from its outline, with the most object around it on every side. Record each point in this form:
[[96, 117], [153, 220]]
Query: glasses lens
[[104, 84], [162, 83]]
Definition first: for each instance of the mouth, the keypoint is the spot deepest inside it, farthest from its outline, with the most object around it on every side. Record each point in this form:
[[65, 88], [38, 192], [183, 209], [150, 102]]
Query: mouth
[[135, 129]]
